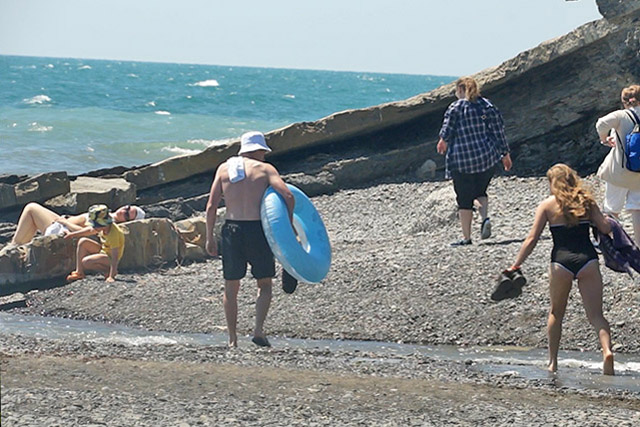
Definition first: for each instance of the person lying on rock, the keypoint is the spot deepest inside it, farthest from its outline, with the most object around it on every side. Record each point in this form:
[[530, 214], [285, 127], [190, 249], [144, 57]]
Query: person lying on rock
[[94, 256], [36, 218], [242, 181]]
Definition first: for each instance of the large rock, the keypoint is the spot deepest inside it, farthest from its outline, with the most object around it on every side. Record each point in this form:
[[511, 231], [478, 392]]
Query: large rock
[[194, 230], [613, 8], [181, 167], [7, 196], [87, 191], [43, 259], [35, 189], [151, 243]]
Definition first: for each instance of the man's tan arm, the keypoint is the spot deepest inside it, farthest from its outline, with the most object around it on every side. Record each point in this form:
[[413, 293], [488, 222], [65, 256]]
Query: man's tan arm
[[281, 188], [215, 196]]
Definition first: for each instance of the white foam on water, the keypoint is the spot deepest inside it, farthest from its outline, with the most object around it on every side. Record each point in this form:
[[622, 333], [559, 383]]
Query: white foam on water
[[35, 127], [37, 100], [206, 83], [84, 67], [203, 142], [151, 103], [49, 66], [133, 75], [180, 150], [290, 96], [162, 113]]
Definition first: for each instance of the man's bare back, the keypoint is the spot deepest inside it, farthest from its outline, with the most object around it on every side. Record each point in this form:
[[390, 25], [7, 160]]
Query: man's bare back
[[243, 198]]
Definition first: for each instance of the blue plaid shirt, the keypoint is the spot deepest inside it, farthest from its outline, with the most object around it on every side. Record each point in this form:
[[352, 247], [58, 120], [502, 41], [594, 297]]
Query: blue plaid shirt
[[474, 133]]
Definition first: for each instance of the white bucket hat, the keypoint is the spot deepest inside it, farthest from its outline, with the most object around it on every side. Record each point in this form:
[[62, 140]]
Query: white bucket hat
[[252, 141]]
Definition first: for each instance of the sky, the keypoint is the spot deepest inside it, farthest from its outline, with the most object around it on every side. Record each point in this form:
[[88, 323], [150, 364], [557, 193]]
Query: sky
[[437, 37]]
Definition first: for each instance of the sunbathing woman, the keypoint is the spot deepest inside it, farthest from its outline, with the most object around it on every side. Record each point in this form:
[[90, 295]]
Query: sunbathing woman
[[35, 217], [570, 211]]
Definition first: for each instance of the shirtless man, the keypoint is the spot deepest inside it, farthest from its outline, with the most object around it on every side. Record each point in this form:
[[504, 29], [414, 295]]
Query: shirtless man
[[242, 181]]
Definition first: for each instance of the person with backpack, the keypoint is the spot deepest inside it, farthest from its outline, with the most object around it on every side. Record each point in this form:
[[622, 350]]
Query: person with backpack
[[570, 211], [620, 170]]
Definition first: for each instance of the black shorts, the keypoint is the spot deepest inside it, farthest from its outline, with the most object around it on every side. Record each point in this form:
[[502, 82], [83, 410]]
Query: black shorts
[[244, 242], [470, 186]]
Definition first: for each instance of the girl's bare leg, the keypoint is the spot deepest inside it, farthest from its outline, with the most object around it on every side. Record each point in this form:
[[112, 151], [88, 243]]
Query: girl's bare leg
[[590, 285], [34, 218], [560, 281], [97, 262], [85, 248]]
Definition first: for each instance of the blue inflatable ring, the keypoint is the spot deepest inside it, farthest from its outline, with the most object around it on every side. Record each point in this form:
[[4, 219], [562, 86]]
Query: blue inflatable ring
[[307, 259]]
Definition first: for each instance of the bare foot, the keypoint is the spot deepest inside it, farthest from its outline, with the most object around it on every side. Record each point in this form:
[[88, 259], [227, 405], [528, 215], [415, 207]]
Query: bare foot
[[607, 364], [233, 341], [553, 366]]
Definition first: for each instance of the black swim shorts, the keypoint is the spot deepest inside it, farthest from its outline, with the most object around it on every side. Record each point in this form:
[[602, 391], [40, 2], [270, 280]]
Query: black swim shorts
[[244, 242], [470, 186]]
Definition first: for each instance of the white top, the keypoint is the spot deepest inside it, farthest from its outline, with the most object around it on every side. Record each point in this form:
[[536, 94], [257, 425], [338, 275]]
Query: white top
[[619, 120]]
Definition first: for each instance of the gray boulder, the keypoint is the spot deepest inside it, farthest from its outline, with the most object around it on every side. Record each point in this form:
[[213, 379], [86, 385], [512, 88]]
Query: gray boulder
[[86, 191]]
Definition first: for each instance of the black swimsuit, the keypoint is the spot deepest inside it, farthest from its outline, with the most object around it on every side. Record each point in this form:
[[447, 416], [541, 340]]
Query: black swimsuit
[[572, 248]]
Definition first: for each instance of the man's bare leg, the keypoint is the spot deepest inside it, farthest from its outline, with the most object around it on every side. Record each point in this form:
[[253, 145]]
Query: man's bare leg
[[34, 218], [262, 305], [230, 302]]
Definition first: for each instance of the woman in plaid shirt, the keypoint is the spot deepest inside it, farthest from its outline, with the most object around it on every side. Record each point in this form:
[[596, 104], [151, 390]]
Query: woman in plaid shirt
[[472, 136]]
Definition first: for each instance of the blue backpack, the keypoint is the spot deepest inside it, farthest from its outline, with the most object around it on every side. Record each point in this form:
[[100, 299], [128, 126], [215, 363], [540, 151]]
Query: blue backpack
[[632, 145]]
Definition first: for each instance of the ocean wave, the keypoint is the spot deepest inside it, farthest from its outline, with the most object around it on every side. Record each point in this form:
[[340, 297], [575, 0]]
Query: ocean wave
[[35, 127], [162, 113], [151, 104], [38, 99], [288, 96], [180, 150], [84, 67], [206, 83]]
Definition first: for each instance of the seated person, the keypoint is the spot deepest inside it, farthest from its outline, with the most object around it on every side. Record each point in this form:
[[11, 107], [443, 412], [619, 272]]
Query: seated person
[[91, 255], [35, 217]]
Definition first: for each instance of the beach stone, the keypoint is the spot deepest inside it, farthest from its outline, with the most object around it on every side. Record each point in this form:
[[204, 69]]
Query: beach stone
[[427, 170], [37, 189], [86, 191], [194, 253], [151, 242]]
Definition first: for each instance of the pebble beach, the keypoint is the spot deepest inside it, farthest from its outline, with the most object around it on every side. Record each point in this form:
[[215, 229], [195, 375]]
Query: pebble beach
[[394, 279]]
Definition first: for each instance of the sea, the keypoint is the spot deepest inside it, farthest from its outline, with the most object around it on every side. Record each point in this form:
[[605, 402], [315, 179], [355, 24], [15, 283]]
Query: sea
[[79, 115]]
